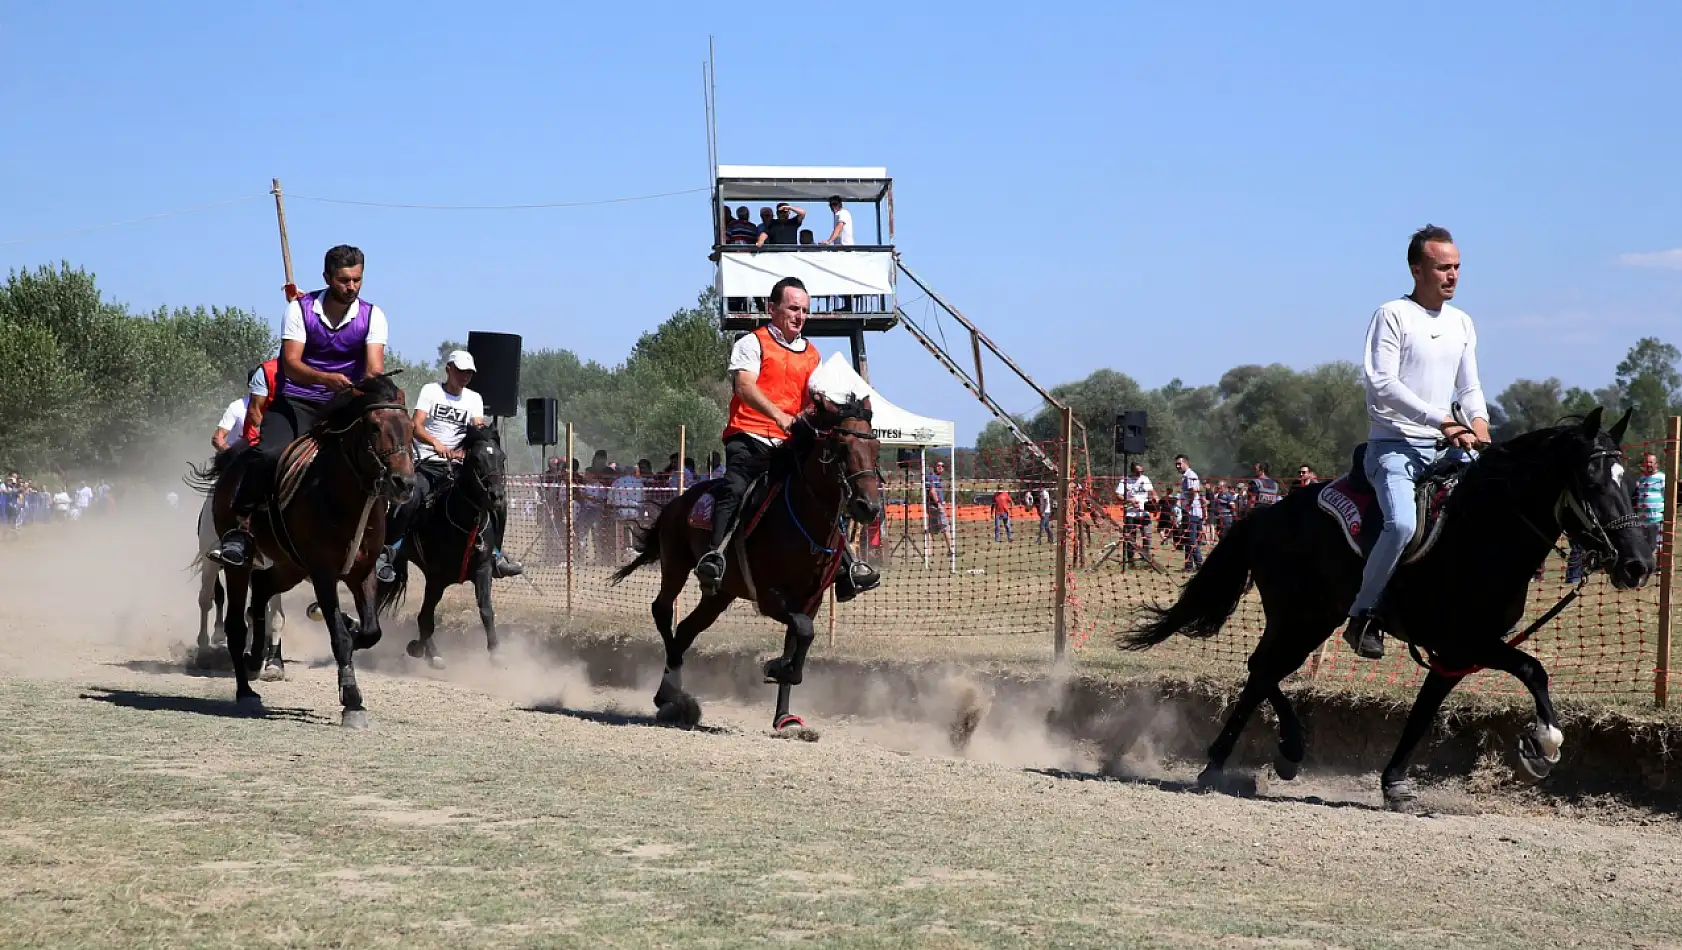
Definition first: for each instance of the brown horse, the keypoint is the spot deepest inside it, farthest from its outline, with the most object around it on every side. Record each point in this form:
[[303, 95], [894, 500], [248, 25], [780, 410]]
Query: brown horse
[[783, 555], [330, 530]]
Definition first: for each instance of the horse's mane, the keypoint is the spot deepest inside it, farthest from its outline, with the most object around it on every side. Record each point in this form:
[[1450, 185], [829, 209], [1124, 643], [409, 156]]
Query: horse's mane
[[344, 407], [478, 434], [806, 431]]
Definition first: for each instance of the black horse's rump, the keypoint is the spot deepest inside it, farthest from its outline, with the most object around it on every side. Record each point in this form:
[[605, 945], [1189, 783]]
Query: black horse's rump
[[1457, 603]]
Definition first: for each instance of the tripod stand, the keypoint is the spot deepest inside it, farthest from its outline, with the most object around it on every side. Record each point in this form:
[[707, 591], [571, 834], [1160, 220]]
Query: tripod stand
[[906, 538]]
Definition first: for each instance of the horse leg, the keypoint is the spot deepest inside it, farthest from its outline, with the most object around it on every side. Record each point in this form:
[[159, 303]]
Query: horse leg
[[353, 716], [263, 659], [788, 670], [424, 648], [1398, 788], [671, 703], [210, 598], [487, 613], [237, 584], [1538, 751], [367, 633]]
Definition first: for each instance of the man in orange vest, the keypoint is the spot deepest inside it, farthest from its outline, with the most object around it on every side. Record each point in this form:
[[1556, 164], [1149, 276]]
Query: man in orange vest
[[770, 369]]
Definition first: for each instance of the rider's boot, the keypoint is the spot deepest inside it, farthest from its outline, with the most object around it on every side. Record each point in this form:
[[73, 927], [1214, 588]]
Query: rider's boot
[[504, 566], [1364, 637], [385, 570], [235, 546], [709, 571], [854, 578]]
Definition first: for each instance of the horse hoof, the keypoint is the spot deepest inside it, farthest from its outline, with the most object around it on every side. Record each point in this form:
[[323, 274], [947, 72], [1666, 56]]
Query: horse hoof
[[354, 719], [436, 662], [313, 611], [250, 703], [1400, 796], [683, 711], [1240, 785], [272, 673], [790, 726], [1285, 768], [1535, 763], [416, 649]]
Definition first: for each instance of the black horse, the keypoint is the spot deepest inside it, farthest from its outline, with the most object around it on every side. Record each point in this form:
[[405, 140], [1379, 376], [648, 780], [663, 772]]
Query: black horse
[[787, 550], [448, 541], [1458, 602]]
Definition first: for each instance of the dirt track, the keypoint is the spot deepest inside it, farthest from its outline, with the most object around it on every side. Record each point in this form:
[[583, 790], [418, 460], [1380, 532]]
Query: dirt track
[[529, 807]]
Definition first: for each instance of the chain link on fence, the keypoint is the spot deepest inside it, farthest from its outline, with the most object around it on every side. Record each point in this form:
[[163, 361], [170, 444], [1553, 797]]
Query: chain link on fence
[[983, 566]]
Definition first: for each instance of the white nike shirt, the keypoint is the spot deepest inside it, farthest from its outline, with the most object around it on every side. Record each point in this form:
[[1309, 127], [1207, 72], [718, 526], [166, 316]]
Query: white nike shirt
[[1418, 363]]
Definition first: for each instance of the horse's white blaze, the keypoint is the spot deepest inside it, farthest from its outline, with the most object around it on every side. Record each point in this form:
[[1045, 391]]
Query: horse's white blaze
[[1617, 474]]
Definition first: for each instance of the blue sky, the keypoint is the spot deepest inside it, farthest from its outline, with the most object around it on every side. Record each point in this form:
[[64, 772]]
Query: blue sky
[[1168, 191]]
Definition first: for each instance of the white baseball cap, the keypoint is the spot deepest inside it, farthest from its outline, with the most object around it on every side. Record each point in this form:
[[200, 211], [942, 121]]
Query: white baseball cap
[[462, 360]]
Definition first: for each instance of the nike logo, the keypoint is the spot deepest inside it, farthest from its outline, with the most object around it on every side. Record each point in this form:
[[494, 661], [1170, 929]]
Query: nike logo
[[1435, 335]]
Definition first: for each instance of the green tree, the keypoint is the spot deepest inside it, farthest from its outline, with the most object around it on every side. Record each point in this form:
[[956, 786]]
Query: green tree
[[1650, 384], [1530, 404]]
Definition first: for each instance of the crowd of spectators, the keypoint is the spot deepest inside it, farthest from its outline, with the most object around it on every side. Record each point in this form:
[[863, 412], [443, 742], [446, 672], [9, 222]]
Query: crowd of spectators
[[26, 501], [610, 502], [785, 226]]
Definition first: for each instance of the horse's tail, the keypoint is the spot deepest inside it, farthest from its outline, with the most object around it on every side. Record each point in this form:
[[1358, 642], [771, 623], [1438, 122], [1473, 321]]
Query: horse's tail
[[1206, 601], [648, 543], [203, 478], [390, 595]]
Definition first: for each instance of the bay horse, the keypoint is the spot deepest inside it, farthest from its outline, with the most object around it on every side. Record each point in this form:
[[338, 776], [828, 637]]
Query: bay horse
[[447, 541], [783, 553], [1458, 602], [331, 529]]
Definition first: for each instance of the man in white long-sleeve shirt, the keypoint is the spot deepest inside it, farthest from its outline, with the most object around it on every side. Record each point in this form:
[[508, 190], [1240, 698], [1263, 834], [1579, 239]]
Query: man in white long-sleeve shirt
[[1421, 358]]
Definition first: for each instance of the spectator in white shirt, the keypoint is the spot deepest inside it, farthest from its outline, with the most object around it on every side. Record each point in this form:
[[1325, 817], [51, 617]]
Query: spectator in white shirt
[[842, 235]]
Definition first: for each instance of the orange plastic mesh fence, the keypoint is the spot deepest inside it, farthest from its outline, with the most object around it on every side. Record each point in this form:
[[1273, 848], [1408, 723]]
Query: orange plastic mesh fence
[[982, 567]]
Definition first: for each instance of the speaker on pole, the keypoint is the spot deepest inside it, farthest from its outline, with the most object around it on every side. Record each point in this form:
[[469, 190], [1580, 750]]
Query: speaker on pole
[[1130, 429], [498, 378], [543, 423]]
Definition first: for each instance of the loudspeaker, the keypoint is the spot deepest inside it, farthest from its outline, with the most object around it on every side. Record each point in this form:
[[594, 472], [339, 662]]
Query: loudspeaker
[[497, 381], [1130, 426], [907, 458], [543, 424]]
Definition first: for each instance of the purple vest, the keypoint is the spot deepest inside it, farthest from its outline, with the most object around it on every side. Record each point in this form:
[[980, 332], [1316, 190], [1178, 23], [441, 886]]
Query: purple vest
[[344, 350]]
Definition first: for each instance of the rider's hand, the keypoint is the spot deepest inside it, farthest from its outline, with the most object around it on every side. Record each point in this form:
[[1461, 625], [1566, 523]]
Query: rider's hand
[[454, 455], [1458, 436], [336, 382], [784, 421]]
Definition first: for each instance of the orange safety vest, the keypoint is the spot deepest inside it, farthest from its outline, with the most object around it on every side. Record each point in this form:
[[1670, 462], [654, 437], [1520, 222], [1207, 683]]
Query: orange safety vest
[[271, 373], [783, 375]]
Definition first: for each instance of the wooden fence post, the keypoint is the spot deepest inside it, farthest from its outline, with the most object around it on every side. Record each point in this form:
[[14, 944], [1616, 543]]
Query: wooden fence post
[[572, 546], [1060, 630], [1667, 557]]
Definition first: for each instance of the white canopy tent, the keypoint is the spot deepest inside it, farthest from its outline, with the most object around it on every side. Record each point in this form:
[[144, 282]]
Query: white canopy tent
[[900, 428]]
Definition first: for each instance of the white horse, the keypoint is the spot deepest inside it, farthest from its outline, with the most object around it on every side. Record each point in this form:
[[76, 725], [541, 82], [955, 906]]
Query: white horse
[[211, 596]]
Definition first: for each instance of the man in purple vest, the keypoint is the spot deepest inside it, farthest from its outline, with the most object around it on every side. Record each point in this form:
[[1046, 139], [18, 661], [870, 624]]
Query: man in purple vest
[[330, 340]]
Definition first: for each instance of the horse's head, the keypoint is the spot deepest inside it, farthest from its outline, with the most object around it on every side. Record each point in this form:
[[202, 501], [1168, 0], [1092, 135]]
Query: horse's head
[[373, 421], [1596, 508], [846, 439], [483, 467]]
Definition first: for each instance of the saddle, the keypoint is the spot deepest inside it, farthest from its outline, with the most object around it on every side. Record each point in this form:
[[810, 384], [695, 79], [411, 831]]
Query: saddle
[[1352, 502], [756, 500]]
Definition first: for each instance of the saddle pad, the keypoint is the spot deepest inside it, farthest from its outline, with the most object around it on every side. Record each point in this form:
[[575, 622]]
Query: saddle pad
[[758, 499], [294, 462], [1361, 520]]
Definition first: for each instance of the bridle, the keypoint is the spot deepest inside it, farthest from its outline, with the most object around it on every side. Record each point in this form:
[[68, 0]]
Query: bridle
[[483, 486], [1596, 537], [830, 463], [365, 445]]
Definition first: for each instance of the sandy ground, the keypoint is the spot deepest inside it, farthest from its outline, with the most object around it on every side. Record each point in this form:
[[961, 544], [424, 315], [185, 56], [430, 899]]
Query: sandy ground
[[523, 805]]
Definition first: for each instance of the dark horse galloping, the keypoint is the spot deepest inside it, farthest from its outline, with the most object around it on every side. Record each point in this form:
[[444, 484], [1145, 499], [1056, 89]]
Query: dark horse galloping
[[789, 556], [447, 541], [1459, 601], [332, 529]]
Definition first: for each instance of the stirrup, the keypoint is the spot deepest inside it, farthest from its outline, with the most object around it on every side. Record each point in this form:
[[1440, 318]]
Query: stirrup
[[384, 572], [1364, 637], [709, 571]]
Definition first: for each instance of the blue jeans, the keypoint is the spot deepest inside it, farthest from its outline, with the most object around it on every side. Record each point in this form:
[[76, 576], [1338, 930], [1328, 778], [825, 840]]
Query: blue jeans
[[1393, 467], [1193, 540], [1001, 521]]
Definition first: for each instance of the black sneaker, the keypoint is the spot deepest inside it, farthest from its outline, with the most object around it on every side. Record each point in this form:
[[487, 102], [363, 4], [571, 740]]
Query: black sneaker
[[710, 572], [232, 550], [1364, 637], [504, 566]]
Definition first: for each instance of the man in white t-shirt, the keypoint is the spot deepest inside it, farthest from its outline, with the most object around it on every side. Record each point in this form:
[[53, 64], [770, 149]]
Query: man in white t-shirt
[[843, 233], [1136, 492], [443, 411], [230, 427], [1421, 358], [84, 496]]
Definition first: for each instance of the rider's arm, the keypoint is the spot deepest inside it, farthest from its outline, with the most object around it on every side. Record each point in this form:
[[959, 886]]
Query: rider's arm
[[219, 439], [1468, 389], [746, 383], [1382, 368], [374, 360], [254, 413], [422, 435]]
